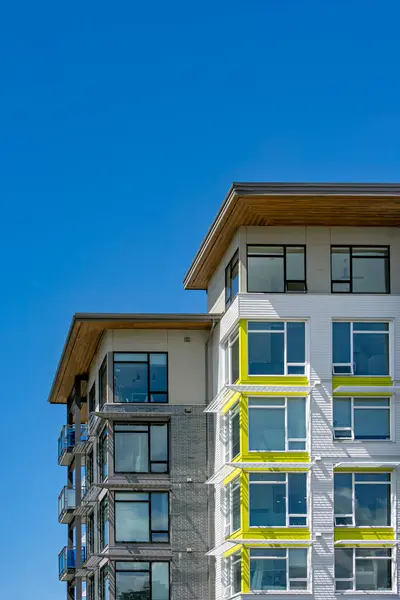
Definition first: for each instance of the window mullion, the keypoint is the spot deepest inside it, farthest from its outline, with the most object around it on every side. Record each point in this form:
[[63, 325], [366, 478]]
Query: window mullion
[[285, 368], [353, 498], [353, 433], [286, 425], [351, 269], [351, 348], [284, 270], [287, 570]]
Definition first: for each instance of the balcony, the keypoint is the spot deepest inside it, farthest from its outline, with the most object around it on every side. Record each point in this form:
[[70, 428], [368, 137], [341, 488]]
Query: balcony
[[67, 563], [66, 505], [68, 441]]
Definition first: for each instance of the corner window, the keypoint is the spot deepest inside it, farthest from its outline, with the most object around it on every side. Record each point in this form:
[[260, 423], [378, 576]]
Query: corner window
[[276, 269], [103, 383], [232, 497], [104, 522], [232, 279], [232, 433], [360, 270], [362, 499], [231, 350], [278, 499], [140, 377], [141, 580], [105, 583], [90, 534], [103, 455], [141, 448], [234, 573], [89, 470], [141, 517], [361, 418], [90, 589], [277, 348], [278, 569], [92, 398], [277, 424], [363, 569], [360, 348]]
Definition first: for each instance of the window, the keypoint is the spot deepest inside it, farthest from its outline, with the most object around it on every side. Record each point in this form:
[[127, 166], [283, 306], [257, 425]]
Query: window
[[105, 583], [103, 454], [90, 590], [361, 418], [232, 522], [234, 574], [92, 398], [232, 358], [360, 270], [103, 522], [142, 580], [276, 269], [278, 499], [232, 428], [277, 424], [141, 448], [89, 470], [362, 499], [277, 348], [232, 279], [90, 534], [278, 569], [140, 377], [103, 383], [141, 517], [360, 348], [363, 569]]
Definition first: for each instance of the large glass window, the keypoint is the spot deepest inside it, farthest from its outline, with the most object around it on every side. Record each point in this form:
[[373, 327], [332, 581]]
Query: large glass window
[[90, 534], [232, 433], [141, 580], [361, 418], [103, 455], [362, 499], [92, 398], [278, 569], [140, 377], [90, 588], [141, 448], [141, 517], [276, 269], [360, 348], [277, 424], [105, 583], [277, 348], [234, 567], [103, 383], [360, 270], [232, 279], [232, 502], [232, 359], [104, 522], [278, 499], [363, 569]]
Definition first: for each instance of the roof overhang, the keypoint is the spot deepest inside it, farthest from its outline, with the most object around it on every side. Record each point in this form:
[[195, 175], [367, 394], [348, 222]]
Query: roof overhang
[[272, 204], [87, 329]]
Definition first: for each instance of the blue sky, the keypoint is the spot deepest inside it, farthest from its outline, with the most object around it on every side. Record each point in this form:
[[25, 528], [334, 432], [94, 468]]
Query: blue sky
[[122, 126]]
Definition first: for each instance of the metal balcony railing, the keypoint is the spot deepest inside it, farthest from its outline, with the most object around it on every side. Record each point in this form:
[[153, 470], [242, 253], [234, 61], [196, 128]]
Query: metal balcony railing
[[67, 561], [68, 439], [67, 503]]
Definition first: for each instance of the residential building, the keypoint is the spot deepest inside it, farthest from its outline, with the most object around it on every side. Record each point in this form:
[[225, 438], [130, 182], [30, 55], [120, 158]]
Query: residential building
[[282, 475]]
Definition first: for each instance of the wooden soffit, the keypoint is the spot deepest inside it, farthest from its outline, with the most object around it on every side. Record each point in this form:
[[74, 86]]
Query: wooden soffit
[[87, 329], [273, 204]]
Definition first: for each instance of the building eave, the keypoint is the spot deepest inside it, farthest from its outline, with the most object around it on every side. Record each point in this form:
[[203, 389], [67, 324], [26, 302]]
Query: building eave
[[87, 329], [271, 204]]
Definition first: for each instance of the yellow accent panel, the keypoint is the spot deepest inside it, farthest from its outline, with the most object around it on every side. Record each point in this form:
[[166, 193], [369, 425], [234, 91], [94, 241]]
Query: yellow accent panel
[[358, 380], [363, 533], [263, 457], [230, 403], [243, 350], [245, 570], [271, 534]]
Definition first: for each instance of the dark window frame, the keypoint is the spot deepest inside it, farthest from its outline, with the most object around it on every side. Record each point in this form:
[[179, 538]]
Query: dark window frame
[[104, 575], [158, 462], [234, 262], [103, 453], [285, 281], [104, 511], [91, 588], [149, 392], [103, 383], [89, 463], [149, 571], [90, 534], [92, 398], [350, 281], [148, 502]]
